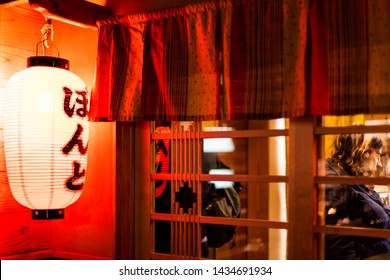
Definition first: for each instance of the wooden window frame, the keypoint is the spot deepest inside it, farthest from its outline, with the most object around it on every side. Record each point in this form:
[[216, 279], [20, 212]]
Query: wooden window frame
[[304, 231]]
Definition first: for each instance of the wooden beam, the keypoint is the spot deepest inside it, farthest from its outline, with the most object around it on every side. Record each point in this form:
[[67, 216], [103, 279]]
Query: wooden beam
[[76, 12], [10, 3]]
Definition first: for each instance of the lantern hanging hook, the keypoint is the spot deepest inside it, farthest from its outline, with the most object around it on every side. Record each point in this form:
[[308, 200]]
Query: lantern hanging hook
[[47, 32]]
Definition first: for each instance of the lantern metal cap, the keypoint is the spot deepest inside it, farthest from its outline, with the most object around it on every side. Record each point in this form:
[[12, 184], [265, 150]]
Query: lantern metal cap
[[48, 61]]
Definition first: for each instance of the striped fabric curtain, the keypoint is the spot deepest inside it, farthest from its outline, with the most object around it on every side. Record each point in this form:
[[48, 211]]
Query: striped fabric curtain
[[226, 59], [350, 57], [264, 46]]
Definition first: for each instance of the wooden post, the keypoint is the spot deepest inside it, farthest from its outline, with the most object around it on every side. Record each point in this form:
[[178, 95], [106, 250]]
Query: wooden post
[[125, 192], [258, 193], [301, 206], [143, 194], [133, 191]]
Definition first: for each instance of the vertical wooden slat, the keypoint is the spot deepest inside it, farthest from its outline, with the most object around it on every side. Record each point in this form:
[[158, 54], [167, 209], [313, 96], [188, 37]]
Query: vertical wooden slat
[[180, 155], [198, 166], [173, 187], [187, 236], [185, 152], [178, 178], [190, 211], [196, 188], [180, 233]]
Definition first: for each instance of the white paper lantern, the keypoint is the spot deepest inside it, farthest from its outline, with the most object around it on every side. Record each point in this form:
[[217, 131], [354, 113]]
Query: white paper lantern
[[45, 120]]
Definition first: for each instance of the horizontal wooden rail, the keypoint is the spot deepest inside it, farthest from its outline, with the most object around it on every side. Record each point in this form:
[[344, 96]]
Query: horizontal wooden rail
[[223, 134], [243, 222], [221, 221], [361, 129], [216, 177], [354, 231], [349, 180]]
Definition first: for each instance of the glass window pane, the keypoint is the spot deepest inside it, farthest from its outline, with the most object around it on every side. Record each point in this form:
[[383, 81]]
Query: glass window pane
[[222, 151], [250, 243], [359, 153]]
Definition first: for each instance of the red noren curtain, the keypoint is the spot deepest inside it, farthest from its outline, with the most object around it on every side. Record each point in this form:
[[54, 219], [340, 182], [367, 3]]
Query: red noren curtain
[[350, 59], [245, 59], [227, 59]]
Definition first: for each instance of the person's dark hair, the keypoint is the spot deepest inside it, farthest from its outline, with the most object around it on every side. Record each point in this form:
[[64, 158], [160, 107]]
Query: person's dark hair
[[348, 152], [376, 144]]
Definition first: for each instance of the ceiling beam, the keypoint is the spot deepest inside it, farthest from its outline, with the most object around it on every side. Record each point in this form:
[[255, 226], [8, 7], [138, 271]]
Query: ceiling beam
[[10, 3], [76, 12]]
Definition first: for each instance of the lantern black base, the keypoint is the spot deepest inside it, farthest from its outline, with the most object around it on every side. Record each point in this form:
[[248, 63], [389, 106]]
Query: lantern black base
[[48, 61], [52, 214]]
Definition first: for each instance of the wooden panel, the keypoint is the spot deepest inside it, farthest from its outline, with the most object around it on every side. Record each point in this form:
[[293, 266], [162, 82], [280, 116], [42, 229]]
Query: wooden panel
[[19, 34], [20, 234]]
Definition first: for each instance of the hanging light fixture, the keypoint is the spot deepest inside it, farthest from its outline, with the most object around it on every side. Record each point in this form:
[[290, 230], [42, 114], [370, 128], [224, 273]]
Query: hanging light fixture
[[45, 121]]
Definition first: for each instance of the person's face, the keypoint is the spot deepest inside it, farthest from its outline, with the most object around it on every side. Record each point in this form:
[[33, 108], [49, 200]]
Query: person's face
[[372, 163]]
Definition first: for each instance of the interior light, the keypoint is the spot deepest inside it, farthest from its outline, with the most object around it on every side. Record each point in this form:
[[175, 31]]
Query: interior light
[[222, 184]]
